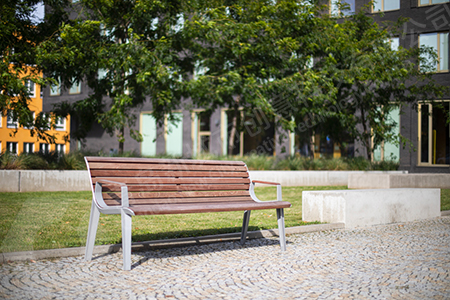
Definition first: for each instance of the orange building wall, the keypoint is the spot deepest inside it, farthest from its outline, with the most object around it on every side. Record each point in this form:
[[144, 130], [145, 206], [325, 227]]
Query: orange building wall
[[23, 135]]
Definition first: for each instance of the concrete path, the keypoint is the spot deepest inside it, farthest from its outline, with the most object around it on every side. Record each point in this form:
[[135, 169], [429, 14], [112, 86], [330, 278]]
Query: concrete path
[[401, 261]]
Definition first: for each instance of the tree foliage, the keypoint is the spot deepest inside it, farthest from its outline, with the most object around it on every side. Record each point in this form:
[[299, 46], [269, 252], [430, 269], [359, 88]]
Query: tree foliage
[[244, 49], [127, 52], [290, 59], [356, 80], [20, 33], [371, 78]]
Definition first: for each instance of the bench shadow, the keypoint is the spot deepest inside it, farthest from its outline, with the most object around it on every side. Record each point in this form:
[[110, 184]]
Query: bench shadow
[[199, 247], [194, 242]]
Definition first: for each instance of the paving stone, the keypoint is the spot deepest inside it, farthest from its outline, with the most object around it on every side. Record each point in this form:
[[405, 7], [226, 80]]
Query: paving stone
[[411, 261]]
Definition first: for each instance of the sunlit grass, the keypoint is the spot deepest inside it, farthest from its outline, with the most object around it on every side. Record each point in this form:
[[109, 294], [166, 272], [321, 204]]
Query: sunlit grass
[[50, 220], [445, 199]]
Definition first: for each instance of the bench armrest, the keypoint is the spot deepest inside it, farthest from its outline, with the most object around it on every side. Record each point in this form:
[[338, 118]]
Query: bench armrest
[[111, 182], [123, 191], [252, 189], [266, 182]]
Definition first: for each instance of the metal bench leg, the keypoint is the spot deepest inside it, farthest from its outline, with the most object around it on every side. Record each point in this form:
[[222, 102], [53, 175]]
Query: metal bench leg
[[245, 226], [126, 240], [92, 232], [281, 233]]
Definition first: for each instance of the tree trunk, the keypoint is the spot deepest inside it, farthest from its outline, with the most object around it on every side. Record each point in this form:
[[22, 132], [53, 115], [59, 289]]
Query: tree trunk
[[366, 135], [311, 143], [233, 126], [121, 140]]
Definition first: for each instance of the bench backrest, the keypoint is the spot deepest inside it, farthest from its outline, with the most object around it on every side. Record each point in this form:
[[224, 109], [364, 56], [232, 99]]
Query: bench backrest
[[153, 181]]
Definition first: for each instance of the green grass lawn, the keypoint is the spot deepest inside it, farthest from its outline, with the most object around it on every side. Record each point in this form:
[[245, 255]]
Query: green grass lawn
[[49, 220]]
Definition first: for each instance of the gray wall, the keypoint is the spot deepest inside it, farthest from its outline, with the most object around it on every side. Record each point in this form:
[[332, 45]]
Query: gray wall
[[49, 180]]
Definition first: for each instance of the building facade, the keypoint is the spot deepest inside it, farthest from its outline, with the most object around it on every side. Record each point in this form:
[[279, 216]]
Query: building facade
[[195, 132], [423, 124], [17, 139]]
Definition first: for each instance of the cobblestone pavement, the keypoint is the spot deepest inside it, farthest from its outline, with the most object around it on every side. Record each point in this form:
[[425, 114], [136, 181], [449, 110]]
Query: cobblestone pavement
[[401, 261]]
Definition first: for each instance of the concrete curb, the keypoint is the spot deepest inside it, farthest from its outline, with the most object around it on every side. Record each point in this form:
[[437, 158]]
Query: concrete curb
[[180, 242]]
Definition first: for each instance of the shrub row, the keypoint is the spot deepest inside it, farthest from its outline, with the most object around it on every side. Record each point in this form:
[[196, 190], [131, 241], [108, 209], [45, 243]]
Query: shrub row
[[258, 162], [75, 161]]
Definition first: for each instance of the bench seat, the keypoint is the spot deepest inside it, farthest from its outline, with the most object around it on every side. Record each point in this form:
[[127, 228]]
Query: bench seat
[[140, 186], [180, 208]]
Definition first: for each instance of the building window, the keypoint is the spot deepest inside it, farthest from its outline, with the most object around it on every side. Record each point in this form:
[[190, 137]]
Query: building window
[[44, 148], [395, 43], [174, 135], [60, 149], [201, 132], [386, 5], [255, 133], [45, 119], [429, 2], [33, 117], [101, 74], [434, 134], [149, 135], [389, 150], [11, 147], [28, 147], [346, 7], [11, 122], [55, 89], [60, 124], [75, 88], [200, 69], [31, 87], [179, 25], [1, 119], [439, 42]]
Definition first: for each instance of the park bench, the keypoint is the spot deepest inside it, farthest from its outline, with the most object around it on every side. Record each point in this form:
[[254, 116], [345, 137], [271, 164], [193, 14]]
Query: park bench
[[142, 186]]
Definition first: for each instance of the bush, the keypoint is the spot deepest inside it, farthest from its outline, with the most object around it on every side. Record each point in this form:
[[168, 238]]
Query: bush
[[260, 162], [386, 165], [42, 161], [358, 164], [75, 161], [33, 161], [72, 161], [9, 161]]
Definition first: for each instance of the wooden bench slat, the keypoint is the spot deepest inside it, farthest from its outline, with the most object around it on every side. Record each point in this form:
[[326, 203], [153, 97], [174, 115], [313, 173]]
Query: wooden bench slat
[[169, 167], [92, 159], [160, 201], [185, 187], [183, 194], [206, 207], [173, 180], [133, 173]]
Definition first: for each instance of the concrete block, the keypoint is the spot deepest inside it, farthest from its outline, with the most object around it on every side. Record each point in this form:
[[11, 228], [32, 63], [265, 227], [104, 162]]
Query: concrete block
[[360, 208], [392, 180], [53, 181], [9, 181]]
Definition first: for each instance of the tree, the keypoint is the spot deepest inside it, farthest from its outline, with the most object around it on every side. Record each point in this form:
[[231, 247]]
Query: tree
[[359, 78], [127, 52], [242, 47], [21, 31], [375, 78]]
